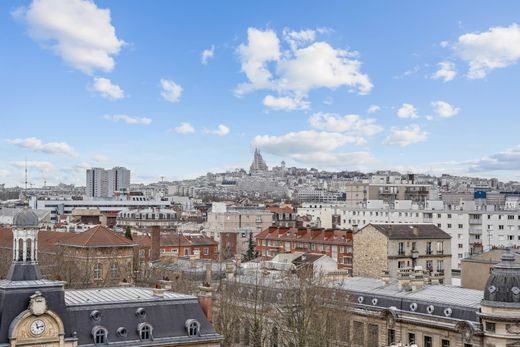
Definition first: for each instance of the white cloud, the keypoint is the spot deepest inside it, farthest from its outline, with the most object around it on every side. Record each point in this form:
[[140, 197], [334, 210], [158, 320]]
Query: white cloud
[[221, 130], [35, 144], [107, 89], [351, 123], [305, 66], [315, 148], [307, 141], [77, 30], [444, 44], [406, 136], [373, 109], [506, 160], [496, 48], [286, 103], [262, 47], [444, 110], [100, 158], [446, 71], [184, 128], [171, 91], [128, 120], [4, 173], [206, 55], [407, 111], [44, 166]]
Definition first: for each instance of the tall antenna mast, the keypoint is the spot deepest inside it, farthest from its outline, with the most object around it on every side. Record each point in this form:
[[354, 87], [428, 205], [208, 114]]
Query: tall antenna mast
[[25, 174]]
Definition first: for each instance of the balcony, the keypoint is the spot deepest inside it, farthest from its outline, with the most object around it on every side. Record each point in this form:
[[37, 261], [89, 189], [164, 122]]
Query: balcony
[[415, 254], [440, 252]]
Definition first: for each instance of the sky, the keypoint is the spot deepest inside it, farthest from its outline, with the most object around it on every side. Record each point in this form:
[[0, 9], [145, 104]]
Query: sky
[[181, 88]]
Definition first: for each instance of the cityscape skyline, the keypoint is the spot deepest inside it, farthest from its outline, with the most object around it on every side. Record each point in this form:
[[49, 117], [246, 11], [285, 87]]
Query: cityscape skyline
[[159, 93]]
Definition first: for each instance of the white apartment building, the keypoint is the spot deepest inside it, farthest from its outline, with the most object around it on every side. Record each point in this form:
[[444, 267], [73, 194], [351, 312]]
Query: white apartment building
[[468, 226], [102, 183]]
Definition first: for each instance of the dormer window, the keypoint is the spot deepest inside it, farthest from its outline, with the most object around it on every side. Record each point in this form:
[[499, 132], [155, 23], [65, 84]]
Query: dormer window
[[100, 335], [145, 331], [193, 327]]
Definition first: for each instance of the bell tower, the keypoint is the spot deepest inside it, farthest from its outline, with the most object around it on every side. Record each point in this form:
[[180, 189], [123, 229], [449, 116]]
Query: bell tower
[[24, 266]]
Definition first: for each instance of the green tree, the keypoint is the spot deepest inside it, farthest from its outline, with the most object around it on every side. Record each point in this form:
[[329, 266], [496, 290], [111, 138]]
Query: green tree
[[251, 252], [128, 233]]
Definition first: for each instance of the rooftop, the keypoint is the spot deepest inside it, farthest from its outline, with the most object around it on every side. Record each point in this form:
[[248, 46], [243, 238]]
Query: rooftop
[[75, 297], [410, 231]]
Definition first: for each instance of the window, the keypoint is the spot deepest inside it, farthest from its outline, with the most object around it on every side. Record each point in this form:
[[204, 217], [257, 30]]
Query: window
[[429, 265], [461, 226], [428, 341], [460, 255], [97, 271], [440, 265], [206, 251], [359, 333], [411, 338], [373, 335], [114, 270], [500, 227], [428, 247], [145, 331], [490, 327], [461, 245], [193, 327], [186, 252], [449, 225], [401, 248], [445, 343], [391, 336], [100, 335]]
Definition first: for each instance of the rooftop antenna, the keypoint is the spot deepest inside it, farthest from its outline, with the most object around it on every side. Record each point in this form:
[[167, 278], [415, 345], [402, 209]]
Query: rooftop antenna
[[162, 178]]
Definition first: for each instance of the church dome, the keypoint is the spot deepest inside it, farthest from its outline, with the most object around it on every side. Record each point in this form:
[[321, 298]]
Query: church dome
[[503, 285], [26, 218]]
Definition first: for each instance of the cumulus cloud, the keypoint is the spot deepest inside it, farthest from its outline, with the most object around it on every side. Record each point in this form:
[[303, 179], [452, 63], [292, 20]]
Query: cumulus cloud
[[77, 30], [221, 130], [184, 128], [44, 166], [351, 123], [314, 147], [307, 141], [307, 64], [444, 110], [37, 145], [506, 160], [446, 71], [171, 91], [206, 55], [107, 89], [498, 47], [128, 120], [285, 103], [407, 111], [373, 109], [406, 136]]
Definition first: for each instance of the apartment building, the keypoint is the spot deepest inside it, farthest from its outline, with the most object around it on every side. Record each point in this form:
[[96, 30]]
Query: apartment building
[[391, 248], [240, 220], [335, 243], [102, 183], [471, 229]]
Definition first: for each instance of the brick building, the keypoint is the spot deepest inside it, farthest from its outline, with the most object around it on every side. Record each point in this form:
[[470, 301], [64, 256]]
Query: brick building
[[335, 243]]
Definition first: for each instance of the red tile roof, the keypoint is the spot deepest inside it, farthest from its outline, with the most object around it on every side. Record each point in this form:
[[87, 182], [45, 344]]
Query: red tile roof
[[98, 236], [337, 236]]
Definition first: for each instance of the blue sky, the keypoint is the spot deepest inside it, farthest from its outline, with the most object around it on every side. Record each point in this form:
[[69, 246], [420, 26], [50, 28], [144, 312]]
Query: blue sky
[[415, 86]]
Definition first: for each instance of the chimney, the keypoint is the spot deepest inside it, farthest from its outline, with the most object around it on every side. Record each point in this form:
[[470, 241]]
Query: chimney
[[155, 253], [206, 301], [386, 276], [355, 228]]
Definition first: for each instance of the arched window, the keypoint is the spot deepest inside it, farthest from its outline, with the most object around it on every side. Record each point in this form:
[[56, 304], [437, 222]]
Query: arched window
[[192, 327], [100, 335], [114, 270], [97, 271], [145, 331]]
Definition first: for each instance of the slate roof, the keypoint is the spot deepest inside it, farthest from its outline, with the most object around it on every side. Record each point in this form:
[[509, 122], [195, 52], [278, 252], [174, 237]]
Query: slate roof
[[410, 231]]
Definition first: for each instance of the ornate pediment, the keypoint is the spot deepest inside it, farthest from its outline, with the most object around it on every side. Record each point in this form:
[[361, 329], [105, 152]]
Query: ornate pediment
[[513, 328], [37, 304]]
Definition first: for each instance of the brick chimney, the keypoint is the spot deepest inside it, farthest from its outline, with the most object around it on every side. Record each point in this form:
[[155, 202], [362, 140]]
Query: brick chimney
[[206, 295], [155, 252]]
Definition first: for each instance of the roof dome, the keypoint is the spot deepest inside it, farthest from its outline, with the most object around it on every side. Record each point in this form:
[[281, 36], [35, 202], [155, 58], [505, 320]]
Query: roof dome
[[503, 285], [26, 218]]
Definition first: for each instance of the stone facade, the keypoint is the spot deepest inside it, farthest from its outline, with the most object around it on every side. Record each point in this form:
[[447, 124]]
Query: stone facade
[[370, 256]]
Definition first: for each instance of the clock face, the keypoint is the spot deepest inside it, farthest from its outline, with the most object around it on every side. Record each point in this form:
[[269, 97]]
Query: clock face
[[37, 327]]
